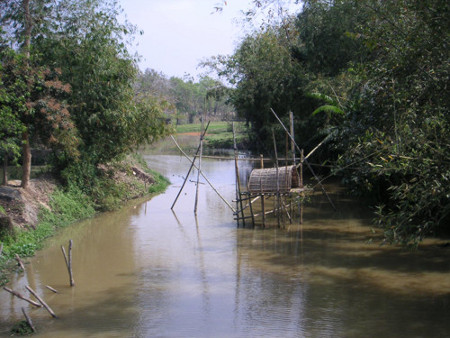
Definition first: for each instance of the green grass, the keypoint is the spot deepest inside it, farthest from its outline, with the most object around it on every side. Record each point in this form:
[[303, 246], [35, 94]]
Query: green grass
[[219, 136], [221, 127]]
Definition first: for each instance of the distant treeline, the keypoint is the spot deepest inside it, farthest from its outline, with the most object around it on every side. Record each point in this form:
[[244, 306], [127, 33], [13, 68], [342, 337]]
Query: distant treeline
[[188, 99]]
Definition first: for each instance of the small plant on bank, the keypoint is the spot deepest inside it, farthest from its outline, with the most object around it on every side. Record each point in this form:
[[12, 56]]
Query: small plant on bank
[[21, 328]]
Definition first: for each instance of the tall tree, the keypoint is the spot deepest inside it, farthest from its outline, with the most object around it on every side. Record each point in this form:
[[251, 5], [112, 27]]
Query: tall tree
[[39, 104]]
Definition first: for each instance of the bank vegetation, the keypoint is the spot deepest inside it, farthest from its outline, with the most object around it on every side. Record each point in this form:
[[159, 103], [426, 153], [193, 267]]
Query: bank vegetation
[[369, 77]]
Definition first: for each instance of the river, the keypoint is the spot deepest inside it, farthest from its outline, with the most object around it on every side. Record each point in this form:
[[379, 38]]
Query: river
[[145, 271]]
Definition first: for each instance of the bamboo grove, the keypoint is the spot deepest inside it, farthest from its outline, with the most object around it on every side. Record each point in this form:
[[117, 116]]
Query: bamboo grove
[[372, 78]]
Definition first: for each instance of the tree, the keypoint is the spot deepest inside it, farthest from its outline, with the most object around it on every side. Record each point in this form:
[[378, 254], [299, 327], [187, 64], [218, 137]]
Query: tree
[[37, 89], [265, 75], [10, 126], [399, 121]]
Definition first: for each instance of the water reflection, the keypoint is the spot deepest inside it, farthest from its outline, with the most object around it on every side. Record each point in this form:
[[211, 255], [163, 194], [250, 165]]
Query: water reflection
[[146, 271]]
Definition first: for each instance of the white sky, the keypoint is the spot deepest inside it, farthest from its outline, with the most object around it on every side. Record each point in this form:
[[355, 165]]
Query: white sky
[[178, 34]]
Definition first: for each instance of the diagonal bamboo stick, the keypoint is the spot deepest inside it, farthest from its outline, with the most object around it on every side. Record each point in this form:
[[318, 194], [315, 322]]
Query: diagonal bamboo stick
[[192, 165], [19, 295], [305, 160], [201, 173], [41, 301]]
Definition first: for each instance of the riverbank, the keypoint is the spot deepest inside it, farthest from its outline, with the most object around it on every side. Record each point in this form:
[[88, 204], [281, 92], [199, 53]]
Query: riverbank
[[28, 217]]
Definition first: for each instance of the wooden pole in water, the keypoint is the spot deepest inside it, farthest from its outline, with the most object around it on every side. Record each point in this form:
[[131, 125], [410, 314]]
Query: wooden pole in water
[[263, 207], [301, 185], [69, 262], [28, 319], [306, 161], [51, 289], [190, 169], [19, 295], [41, 301], [72, 282], [201, 172], [277, 177], [238, 181], [199, 168], [19, 261]]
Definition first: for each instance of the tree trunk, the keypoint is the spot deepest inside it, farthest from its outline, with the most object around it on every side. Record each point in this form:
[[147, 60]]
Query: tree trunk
[[26, 165], [26, 162], [28, 27], [5, 169]]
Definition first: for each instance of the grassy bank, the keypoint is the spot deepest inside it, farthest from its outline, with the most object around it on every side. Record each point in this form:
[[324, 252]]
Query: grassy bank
[[219, 136], [68, 205]]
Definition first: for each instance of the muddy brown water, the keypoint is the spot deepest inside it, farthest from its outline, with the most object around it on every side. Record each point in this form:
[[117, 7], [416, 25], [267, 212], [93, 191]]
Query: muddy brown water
[[146, 271]]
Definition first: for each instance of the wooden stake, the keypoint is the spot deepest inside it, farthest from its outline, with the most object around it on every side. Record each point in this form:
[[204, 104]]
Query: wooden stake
[[291, 124], [201, 173], [69, 262], [72, 282], [51, 289], [28, 319], [190, 169], [306, 161], [199, 169], [263, 207], [262, 194], [41, 301], [278, 181], [238, 178], [19, 295], [20, 262]]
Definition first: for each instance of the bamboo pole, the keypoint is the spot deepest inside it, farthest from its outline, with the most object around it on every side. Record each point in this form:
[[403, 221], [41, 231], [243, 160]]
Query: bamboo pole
[[263, 207], [51, 289], [317, 147], [301, 186], [72, 282], [28, 319], [190, 169], [238, 178], [201, 172], [41, 301], [277, 176], [262, 194], [306, 161], [69, 262], [199, 169], [19, 295], [19, 261], [291, 124]]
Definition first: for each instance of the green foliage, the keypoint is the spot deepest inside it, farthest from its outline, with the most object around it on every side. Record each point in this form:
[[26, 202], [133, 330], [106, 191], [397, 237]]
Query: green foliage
[[160, 184], [67, 207], [328, 109], [328, 35], [21, 328], [185, 99], [398, 124], [378, 71]]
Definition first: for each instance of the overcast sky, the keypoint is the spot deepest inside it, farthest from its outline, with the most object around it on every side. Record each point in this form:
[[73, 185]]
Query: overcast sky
[[178, 34]]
